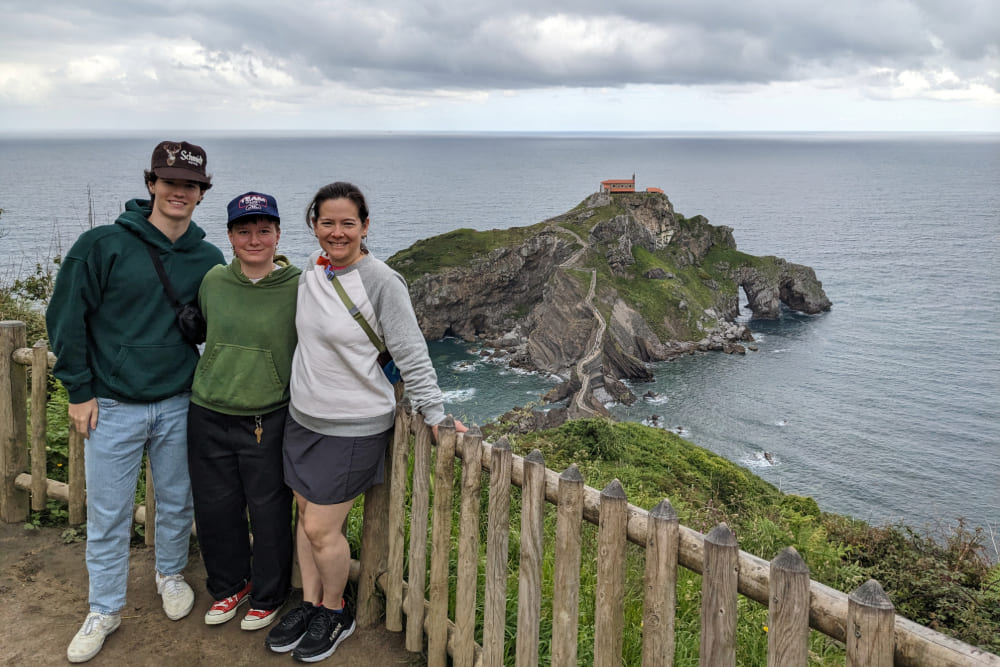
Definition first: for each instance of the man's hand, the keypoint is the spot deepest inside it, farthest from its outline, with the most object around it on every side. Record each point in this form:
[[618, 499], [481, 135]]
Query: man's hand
[[83, 416]]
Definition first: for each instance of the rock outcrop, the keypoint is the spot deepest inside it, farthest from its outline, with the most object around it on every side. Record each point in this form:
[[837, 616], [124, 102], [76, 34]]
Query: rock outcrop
[[781, 282], [595, 293]]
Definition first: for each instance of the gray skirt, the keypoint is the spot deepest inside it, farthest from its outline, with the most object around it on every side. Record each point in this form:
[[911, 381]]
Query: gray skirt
[[328, 469]]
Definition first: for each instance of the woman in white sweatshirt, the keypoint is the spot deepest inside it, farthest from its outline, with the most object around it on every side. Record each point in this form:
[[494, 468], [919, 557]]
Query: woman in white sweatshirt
[[342, 408]]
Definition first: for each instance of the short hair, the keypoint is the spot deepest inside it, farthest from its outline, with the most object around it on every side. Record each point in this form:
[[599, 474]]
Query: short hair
[[150, 178]]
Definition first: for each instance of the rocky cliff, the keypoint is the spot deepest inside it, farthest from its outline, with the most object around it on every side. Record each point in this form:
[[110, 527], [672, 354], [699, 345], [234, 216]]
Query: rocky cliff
[[594, 293]]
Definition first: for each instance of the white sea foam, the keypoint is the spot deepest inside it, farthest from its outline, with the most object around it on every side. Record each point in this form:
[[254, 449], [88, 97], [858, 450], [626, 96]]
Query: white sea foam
[[510, 370], [459, 395], [464, 366], [657, 421], [759, 459]]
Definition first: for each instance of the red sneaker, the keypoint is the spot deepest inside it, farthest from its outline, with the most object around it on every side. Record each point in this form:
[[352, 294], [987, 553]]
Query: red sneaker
[[225, 609]]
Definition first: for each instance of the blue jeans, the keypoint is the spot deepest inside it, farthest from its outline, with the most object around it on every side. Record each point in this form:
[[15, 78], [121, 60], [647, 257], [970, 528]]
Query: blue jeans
[[113, 456]]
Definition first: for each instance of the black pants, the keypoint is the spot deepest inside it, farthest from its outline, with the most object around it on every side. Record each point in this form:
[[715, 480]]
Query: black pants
[[231, 475]]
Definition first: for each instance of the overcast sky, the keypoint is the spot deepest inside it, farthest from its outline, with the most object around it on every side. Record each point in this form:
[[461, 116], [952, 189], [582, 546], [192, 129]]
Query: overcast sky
[[519, 65]]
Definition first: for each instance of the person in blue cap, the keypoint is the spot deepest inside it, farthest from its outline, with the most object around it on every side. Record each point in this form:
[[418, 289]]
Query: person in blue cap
[[236, 419]]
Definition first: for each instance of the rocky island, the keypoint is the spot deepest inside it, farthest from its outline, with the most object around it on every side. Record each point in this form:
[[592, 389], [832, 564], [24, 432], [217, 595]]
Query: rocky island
[[593, 294]]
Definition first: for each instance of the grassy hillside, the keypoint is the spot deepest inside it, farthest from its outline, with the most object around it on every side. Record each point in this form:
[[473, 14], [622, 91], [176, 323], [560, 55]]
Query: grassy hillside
[[455, 249], [946, 582]]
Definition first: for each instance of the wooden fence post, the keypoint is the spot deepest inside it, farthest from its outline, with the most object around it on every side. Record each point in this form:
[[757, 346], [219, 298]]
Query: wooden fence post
[[468, 549], [419, 504], [609, 615], [788, 610], [662, 543], [374, 553], [397, 520], [150, 532], [13, 423], [720, 577], [870, 621], [39, 424], [77, 479], [566, 584], [529, 588], [444, 482], [497, 537]]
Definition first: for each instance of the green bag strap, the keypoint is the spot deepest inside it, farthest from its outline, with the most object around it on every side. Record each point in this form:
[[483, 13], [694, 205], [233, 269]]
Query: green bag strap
[[355, 313]]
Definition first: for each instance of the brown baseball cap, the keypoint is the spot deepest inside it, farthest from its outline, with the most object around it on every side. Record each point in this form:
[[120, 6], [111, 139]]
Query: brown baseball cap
[[181, 160]]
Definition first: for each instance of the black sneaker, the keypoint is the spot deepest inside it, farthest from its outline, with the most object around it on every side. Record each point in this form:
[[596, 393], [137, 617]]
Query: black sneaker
[[326, 631], [292, 627]]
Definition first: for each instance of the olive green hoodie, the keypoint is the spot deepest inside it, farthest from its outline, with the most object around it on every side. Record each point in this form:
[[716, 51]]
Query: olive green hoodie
[[251, 338], [110, 323]]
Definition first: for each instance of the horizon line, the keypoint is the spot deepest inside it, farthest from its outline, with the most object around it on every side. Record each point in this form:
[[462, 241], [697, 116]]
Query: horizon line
[[146, 132]]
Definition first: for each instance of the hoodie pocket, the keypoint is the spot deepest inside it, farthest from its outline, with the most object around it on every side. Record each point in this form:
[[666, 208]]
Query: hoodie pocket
[[238, 377], [150, 372]]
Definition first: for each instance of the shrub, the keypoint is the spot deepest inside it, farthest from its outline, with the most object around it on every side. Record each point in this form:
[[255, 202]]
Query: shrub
[[947, 584], [25, 299]]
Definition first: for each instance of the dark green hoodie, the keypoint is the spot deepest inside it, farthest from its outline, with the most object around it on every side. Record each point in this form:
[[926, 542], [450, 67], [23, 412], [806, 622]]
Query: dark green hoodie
[[110, 323]]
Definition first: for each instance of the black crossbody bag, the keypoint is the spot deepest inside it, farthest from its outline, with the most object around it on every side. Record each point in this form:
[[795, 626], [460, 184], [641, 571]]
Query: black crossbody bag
[[190, 320]]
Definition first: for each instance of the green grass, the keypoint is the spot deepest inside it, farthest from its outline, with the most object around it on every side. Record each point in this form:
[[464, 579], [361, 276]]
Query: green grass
[[706, 490], [658, 301], [599, 215], [455, 249]]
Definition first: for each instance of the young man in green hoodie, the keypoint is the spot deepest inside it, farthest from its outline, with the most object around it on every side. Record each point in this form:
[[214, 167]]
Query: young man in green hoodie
[[128, 371]]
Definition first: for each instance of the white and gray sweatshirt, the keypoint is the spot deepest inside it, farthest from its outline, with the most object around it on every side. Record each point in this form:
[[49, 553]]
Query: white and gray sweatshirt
[[337, 385]]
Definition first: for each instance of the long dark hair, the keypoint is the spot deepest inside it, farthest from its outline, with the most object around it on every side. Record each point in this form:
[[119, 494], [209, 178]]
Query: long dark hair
[[338, 190]]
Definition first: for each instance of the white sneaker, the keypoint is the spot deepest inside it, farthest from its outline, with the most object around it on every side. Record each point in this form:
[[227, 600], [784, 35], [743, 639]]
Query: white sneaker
[[258, 618], [178, 598], [88, 641]]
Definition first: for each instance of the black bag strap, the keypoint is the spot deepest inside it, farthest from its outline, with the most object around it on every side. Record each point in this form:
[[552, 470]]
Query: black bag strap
[[167, 287]]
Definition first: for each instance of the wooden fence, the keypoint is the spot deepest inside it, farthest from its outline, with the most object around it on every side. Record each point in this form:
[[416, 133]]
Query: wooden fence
[[396, 582]]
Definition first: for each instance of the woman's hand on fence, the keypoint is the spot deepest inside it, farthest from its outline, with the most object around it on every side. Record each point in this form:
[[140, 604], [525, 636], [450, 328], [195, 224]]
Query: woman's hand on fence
[[459, 428], [83, 416]]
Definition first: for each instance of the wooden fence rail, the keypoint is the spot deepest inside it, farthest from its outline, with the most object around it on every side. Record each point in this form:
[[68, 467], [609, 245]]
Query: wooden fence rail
[[394, 555]]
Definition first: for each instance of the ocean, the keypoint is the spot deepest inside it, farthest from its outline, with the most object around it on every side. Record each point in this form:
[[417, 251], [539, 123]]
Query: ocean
[[884, 408]]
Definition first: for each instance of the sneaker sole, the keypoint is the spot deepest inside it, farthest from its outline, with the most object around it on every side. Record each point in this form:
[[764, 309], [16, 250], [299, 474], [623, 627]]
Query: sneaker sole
[[284, 648], [327, 653], [92, 654], [216, 619], [257, 623], [179, 616]]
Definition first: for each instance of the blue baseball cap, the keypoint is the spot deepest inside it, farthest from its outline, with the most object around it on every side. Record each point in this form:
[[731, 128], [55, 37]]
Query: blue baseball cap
[[253, 204]]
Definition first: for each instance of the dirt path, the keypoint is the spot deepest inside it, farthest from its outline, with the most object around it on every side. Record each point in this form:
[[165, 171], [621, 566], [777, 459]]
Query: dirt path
[[580, 399], [43, 593]]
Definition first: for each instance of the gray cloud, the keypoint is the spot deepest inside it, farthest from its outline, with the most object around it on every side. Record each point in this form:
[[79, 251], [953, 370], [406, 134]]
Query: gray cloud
[[415, 47]]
